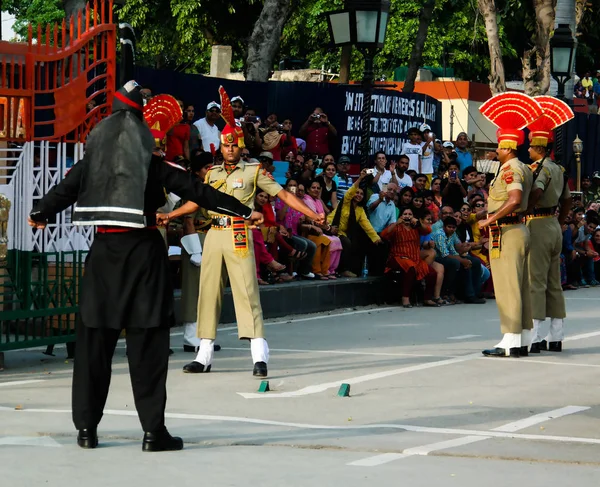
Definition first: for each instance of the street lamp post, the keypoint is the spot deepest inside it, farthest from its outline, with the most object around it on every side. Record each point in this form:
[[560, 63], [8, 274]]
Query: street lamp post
[[362, 23], [577, 150]]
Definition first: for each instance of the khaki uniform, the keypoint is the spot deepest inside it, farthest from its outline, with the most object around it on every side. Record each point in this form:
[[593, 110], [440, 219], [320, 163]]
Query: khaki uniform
[[547, 299], [229, 251], [190, 273], [509, 268]]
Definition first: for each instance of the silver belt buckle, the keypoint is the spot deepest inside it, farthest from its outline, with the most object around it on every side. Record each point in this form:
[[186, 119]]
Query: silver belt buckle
[[222, 222]]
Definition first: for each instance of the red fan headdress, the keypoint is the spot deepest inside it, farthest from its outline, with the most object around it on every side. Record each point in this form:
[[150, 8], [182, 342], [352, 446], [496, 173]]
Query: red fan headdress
[[162, 113], [511, 112], [232, 133], [556, 113]]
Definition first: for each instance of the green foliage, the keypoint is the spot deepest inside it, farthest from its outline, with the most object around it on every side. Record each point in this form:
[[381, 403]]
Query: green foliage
[[34, 12]]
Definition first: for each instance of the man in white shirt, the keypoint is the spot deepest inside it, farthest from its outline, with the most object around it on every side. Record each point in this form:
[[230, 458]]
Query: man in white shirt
[[209, 133], [383, 176], [413, 150], [399, 176]]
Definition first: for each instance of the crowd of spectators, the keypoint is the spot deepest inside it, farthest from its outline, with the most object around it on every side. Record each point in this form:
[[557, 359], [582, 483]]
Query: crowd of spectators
[[413, 219]]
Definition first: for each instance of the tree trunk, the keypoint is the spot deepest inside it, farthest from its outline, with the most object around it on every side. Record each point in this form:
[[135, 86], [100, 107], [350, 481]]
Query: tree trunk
[[537, 78], [264, 41], [345, 61], [416, 57], [579, 11], [497, 79]]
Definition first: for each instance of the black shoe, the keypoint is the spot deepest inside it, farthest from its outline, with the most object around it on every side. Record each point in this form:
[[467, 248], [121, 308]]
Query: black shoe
[[501, 352], [171, 352], [195, 368], [544, 345], [190, 348], [524, 352], [260, 369], [161, 441], [535, 348], [555, 346], [87, 438], [474, 300]]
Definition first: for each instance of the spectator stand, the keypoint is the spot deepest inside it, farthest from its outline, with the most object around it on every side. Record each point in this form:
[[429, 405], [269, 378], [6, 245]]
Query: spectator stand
[[55, 87]]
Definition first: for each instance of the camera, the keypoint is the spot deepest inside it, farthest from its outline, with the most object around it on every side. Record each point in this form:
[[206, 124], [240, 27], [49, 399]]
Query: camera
[[293, 189], [251, 119], [372, 171], [316, 115], [453, 174]]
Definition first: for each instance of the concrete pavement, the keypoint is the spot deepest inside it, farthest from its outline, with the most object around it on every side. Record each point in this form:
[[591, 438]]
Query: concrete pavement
[[425, 408]]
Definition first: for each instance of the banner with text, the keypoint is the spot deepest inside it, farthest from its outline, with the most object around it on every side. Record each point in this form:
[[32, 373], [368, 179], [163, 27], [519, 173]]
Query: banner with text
[[392, 114]]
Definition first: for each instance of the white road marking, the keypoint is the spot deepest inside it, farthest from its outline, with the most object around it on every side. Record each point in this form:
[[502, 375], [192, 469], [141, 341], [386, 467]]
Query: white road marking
[[583, 336], [536, 361], [342, 352], [376, 460], [30, 441], [315, 389], [396, 427], [463, 337], [443, 445], [19, 382], [540, 418]]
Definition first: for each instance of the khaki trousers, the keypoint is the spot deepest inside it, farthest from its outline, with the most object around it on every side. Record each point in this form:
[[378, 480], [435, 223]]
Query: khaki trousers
[[511, 280], [190, 285], [547, 299], [219, 260]]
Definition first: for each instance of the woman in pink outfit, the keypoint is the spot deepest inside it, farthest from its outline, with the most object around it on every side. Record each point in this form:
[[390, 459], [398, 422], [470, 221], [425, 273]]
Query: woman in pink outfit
[[313, 200]]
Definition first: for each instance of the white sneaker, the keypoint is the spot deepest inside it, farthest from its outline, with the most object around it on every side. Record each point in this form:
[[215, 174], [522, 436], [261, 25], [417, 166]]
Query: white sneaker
[[310, 275]]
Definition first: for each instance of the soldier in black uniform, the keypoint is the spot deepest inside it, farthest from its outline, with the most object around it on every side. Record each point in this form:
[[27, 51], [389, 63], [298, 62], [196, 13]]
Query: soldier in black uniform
[[118, 186]]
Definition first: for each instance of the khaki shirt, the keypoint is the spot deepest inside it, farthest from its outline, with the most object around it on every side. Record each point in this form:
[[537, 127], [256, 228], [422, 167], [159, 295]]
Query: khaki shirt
[[551, 181], [242, 182], [512, 175]]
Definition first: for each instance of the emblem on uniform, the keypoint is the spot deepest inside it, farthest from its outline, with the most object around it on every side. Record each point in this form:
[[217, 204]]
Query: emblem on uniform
[[508, 177], [238, 183], [229, 138], [268, 174]]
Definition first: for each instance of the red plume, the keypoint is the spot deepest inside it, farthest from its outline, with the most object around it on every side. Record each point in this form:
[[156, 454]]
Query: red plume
[[511, 110], [226, 108]]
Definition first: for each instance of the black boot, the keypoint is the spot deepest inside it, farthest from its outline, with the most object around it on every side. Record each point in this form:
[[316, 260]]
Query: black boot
[[195, 368], [555, 346], [260, 369], [87, 438], [161, 441], [535, 348], [524, 351]]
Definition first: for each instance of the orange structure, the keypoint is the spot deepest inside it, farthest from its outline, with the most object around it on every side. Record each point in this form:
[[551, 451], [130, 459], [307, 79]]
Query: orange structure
[[48, 84]]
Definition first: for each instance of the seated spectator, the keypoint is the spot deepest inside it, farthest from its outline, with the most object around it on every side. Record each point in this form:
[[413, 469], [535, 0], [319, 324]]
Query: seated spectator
[[329, 191], [321, 239], [421, 182], [382, 210], [445, 212], [454, 189], [430, 205], [383, 176], [570, 256], [584, 248], [344, 181], [307, 173], [350, 222], [466, 234], [418, 205], [405, 256], [413, 174], [428, 255], [399, 174], [294, 222], [436, 189], [454, 264], [405, 196]]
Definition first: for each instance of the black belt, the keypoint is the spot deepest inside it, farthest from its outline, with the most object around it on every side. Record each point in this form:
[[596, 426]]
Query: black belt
[[511, 219], [544, 211]]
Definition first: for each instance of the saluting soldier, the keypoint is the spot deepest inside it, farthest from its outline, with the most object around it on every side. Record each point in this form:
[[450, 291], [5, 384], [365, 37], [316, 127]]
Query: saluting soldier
[[507, 204], [549, 192], [228, 246]]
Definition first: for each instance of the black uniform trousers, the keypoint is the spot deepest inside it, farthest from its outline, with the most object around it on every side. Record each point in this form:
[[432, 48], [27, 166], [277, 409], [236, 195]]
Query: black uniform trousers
[[148, 355]]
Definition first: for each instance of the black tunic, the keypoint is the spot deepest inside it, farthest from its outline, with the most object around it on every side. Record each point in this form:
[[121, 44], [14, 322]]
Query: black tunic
[[126, 280]]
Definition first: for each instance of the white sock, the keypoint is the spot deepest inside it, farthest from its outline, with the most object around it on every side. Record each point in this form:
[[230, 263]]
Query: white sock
[[260, 350], [556, 332], [189, 335], [526, 337], [510, 340], [536, 337], [206, 352]]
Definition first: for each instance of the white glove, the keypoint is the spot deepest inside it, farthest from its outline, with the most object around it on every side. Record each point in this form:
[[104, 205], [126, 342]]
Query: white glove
[[191, 244]]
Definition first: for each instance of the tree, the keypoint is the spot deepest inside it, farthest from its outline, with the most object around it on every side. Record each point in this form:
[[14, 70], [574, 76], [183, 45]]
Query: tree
[[416, 57], [536, 61], [496, 77], [265, 39]]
